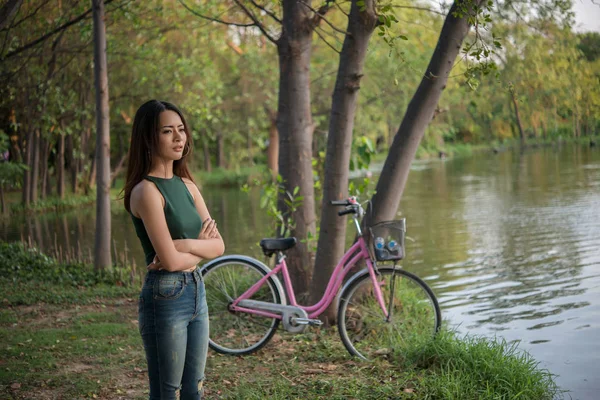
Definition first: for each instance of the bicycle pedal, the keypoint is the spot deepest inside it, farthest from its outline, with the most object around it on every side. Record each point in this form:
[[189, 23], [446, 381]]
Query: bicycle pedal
[[307, 321]]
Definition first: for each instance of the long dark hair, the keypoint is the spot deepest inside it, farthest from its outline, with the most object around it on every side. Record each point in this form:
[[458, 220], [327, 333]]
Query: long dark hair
[[144, 144]]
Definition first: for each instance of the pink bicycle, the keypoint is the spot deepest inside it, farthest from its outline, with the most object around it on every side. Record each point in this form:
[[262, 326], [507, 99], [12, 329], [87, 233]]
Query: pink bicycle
[[380, 308]]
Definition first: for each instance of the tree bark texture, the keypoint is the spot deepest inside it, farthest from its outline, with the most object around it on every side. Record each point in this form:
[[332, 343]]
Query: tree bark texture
[[60, 167], [102, 255], [35, 166], [517, 117], [273, 149], [332, 232], [295, 126]]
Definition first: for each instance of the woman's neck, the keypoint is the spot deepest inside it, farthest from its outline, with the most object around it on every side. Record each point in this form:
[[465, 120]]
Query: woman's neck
[[162, 169]]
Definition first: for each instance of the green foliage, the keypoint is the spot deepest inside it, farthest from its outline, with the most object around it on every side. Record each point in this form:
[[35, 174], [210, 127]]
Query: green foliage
[[11, 173], [589, 44], [362, 152], [271, 192], [21, 264], [54, 203]]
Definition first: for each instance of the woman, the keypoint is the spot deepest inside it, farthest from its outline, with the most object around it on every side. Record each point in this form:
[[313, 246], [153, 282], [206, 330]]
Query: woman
[[176, 231]]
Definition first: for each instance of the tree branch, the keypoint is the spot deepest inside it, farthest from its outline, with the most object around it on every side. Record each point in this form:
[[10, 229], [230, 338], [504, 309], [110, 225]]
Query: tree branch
[[326, 42], [431, 10], [51, 33], [268, 12], [214, 19], [257, 23], [25, 18], [8, 10], [320, 15]]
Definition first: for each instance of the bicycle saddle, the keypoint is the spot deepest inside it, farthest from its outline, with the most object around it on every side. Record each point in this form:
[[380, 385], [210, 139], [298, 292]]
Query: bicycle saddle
[[270, 246]]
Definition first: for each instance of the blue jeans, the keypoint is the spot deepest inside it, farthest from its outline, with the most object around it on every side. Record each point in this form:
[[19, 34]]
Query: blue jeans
[[173, 322]]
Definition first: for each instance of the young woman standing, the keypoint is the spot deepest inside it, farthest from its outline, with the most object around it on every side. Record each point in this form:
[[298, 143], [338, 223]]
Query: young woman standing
[[176, 232]]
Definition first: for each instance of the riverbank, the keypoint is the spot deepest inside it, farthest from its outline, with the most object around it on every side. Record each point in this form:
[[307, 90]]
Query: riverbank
[[68, 332]]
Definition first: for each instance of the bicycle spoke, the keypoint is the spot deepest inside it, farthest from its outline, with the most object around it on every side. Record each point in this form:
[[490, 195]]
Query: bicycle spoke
[[238, 332], [367, 333]]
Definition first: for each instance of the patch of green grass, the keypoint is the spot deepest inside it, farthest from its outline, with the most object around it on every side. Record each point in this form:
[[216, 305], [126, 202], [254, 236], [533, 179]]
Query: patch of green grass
[[32, 292], [63, 341], [54, 203], [30, 276], [53, 352], [479, 368]]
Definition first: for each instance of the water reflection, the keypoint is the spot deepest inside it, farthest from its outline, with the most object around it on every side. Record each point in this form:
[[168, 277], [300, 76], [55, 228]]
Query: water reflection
[[509, 242]]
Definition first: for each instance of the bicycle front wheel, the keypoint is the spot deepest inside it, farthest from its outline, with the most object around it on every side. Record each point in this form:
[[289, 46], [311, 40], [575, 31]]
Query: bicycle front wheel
[[231, 332], [414, 314]]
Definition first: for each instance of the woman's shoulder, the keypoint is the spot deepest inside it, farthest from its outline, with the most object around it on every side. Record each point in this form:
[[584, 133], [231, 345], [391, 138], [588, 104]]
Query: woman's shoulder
[[192, 187], [143, 190], [188, 181]]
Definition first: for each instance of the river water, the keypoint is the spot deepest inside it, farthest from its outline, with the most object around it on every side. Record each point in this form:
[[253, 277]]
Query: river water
[[510, 243]]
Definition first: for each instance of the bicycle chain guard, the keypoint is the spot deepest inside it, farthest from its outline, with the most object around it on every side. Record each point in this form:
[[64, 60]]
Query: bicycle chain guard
[[287, 313]]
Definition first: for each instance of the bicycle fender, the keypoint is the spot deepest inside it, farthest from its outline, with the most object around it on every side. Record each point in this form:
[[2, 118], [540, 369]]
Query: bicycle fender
[[250, 260], [352, 279]]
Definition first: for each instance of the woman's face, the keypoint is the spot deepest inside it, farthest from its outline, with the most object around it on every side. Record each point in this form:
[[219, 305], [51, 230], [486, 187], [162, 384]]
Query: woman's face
[[171, 136]]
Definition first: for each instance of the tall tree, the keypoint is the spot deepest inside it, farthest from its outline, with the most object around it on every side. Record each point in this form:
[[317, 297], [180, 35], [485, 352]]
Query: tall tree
[[419, 113], [102, 256], [296, 127], [361, 24]]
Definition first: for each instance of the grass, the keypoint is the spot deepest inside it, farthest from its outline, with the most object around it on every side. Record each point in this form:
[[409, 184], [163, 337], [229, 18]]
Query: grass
[[77, 338]]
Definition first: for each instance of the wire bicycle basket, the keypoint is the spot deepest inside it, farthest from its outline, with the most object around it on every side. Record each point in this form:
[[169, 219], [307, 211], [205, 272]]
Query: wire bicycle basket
[[387, 240]]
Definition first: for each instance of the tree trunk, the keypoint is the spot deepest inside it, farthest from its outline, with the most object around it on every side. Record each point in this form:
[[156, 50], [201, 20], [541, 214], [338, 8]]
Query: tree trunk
[[84, 159], [419, 113], [60, 167], [44, 173], [2, 202], [517, 117], [35, 166], [206, 152], [295, 126], [332, 232], [92, 177], [220, 155], [273, 149], [102, 256], [70, 162], [27, 173]]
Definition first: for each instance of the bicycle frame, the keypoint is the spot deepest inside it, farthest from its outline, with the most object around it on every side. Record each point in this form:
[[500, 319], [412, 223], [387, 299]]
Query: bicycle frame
[[357, 252]]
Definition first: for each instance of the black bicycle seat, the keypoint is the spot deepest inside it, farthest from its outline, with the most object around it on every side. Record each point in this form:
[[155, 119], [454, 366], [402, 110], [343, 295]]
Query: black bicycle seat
[[270, 246]]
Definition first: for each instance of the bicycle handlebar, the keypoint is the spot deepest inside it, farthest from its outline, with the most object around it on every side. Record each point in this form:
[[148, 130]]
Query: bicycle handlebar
[[340, 202], [347, 211]]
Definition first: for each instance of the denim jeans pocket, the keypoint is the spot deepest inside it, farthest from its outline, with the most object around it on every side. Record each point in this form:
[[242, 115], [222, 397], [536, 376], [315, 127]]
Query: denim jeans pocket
[[167, 288]]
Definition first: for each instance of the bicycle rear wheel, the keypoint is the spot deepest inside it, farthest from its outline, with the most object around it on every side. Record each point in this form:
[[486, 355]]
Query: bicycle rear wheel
[[238, 333], [367, 333]]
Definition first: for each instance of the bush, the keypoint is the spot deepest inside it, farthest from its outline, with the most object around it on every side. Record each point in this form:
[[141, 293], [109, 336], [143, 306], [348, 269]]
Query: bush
[[19, 263]]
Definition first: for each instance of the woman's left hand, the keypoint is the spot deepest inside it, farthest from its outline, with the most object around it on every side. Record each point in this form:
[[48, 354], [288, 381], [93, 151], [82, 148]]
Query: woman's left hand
[[155, 265]]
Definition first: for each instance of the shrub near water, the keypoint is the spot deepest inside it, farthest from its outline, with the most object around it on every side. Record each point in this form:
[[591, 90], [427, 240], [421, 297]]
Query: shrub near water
[[479, 368], [24, 271]]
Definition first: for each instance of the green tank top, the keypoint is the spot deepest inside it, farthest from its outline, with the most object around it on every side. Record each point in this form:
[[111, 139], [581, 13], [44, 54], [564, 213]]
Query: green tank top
[[183, 219]]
